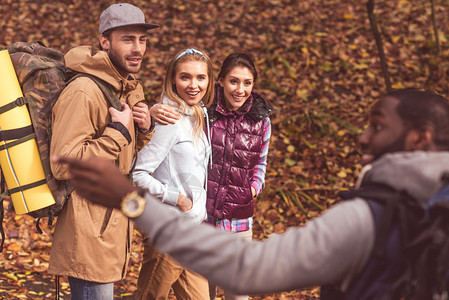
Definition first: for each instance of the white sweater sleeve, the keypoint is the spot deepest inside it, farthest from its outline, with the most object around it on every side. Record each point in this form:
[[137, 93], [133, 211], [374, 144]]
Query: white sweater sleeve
[[149, 159], [332, 248]]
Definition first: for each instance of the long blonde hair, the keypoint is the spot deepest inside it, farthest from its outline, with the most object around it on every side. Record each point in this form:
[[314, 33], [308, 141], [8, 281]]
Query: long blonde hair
[[169, 89]]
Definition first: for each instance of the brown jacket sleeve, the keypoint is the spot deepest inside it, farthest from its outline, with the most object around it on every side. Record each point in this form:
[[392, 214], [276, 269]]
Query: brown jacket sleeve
[[79, 127]]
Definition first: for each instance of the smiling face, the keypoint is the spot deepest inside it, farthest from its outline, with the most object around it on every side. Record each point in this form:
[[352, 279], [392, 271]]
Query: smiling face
[[237, 86], [191, 81], [126, 47], [386, 132]]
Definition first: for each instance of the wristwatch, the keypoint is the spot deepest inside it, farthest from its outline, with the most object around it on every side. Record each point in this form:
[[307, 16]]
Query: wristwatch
[[133, 204]]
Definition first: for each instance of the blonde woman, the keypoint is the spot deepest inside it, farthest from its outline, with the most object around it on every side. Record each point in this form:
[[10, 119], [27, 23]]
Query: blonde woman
[[173, 167]]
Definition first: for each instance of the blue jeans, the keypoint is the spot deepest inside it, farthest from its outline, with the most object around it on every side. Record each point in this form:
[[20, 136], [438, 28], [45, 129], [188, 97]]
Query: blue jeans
[[89, 290]]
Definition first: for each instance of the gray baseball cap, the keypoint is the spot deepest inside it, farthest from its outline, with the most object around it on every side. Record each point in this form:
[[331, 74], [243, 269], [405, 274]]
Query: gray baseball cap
[[123, 14]]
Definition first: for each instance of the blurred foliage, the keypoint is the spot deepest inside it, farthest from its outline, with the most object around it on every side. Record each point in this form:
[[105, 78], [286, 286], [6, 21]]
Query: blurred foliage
[[318, 67]]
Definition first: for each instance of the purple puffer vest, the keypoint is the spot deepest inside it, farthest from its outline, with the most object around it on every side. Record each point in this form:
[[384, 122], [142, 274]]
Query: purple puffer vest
[[237, 140]]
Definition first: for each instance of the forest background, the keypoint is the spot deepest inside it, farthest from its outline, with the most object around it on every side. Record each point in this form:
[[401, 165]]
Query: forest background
[[319, 68]]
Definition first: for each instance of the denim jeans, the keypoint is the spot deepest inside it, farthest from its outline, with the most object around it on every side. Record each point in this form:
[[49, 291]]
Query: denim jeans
[[89, 290]]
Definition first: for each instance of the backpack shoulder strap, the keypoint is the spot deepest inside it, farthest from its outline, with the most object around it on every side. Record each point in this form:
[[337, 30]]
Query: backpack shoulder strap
[[105, 87], [389, 199]]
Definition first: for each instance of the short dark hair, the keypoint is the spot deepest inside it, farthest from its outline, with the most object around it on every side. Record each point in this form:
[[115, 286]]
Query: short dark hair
[[106, 34], [419, 109], [234, 60]]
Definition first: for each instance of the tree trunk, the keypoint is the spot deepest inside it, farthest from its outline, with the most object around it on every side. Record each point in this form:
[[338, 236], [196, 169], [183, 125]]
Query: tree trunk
[[380, 47], [435, 29]]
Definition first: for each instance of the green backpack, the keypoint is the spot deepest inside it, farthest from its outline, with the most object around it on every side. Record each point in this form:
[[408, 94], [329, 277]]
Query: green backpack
[[42, 76]]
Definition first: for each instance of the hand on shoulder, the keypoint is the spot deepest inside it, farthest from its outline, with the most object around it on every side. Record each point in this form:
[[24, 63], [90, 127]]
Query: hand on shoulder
[[164, 114]]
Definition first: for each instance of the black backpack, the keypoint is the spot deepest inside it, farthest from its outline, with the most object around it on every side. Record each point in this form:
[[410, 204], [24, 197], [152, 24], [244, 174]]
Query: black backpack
[[417, 234]]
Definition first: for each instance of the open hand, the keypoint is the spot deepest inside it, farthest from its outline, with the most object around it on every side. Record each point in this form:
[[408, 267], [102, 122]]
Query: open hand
[[98, 180]]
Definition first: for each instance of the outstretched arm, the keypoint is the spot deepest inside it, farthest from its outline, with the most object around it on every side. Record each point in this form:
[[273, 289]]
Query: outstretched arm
[[332, 248]]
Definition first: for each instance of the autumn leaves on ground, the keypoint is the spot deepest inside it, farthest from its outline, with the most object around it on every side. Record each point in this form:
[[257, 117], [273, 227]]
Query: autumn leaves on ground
[[318, 67]]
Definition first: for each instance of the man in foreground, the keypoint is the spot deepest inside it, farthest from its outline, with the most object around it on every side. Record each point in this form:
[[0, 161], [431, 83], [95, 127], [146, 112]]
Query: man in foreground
[[407, 139], [91, 243]]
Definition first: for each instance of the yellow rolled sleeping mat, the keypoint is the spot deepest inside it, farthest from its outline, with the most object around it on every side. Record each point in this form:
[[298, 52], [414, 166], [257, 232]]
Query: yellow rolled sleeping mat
[[20, 161]]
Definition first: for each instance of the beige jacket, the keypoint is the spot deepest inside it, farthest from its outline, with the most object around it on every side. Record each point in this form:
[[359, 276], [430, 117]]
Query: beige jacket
[[91, 242]]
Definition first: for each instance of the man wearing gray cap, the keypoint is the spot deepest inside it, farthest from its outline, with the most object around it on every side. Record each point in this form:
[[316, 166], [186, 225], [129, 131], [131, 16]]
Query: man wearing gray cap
[[91, 244]]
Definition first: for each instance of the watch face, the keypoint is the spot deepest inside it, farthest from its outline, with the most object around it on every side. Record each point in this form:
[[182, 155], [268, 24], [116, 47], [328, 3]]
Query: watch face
[[132, 205]]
